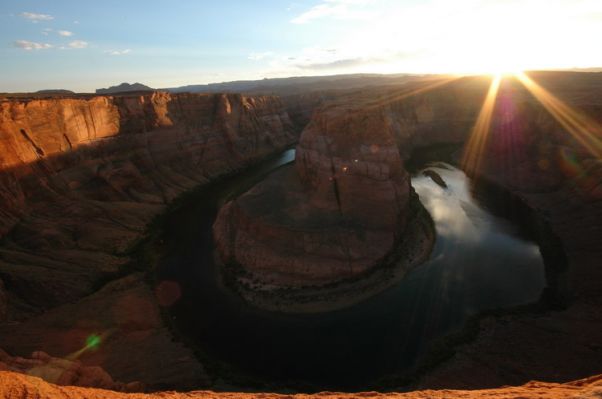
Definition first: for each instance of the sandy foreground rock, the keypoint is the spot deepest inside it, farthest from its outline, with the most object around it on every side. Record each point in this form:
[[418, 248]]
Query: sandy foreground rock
[[134, 344], [18, 386]]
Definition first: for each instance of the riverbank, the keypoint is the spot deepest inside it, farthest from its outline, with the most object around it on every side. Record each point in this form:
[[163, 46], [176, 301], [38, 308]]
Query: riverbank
[[238, 327], [411, 250], [553, 339], [129, 312]]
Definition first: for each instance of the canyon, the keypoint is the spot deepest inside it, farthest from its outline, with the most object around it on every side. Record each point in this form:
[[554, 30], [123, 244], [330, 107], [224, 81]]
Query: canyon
[[83, 176], [344, 209], [81, 179]]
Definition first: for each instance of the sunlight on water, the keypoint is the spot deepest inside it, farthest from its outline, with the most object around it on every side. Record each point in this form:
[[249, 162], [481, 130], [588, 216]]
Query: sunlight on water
[[479, 262], [475, 250]]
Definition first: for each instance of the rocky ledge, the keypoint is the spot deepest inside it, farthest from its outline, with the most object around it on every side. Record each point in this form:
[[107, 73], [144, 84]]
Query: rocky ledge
[[64, 372], [14, 385]]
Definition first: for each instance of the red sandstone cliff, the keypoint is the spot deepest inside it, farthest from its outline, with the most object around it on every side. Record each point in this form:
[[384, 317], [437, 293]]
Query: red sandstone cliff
[[80, 178], [338, 214], [346, 205]]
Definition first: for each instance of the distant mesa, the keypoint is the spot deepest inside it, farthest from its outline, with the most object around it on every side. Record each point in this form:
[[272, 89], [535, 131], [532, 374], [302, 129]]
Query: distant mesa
[[297, 84], [55, 91], [124, 88]]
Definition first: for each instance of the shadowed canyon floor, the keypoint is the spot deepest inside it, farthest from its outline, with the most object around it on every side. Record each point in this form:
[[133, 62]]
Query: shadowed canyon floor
[[82, 177]]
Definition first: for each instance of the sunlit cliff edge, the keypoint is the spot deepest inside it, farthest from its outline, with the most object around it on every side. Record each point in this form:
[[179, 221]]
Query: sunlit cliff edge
[[17, 386]]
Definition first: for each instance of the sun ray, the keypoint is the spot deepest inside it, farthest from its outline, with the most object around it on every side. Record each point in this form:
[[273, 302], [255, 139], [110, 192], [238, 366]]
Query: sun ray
[[473, 152], [435, 83], [583, 128]]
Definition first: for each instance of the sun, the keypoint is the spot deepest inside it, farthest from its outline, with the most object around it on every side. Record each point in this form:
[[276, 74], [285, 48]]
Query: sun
[[495, 56], [505, 70]]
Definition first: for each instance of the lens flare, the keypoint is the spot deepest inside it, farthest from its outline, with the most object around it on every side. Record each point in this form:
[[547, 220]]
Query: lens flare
[[473, 153], [426, 87], [93, 341], [584, 129]]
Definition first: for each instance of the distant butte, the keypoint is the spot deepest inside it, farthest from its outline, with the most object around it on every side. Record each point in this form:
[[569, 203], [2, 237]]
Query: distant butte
[[124, 88]]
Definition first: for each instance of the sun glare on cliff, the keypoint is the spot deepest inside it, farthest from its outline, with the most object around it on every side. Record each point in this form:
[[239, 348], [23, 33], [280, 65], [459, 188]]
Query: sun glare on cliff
[[582, 127]]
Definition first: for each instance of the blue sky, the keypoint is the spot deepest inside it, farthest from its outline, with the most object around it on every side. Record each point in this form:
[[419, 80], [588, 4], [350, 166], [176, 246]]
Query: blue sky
[[83, 45]]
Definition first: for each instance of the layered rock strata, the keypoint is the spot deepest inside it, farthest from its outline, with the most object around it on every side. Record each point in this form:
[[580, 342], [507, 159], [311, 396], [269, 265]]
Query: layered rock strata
[[80, 179], [341, 212]]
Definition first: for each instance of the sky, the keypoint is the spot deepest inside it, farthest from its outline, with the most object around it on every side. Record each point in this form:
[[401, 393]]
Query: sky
[[83, 45]]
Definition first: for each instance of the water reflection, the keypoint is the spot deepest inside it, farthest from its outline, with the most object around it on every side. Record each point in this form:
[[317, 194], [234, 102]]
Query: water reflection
[[479, 261]]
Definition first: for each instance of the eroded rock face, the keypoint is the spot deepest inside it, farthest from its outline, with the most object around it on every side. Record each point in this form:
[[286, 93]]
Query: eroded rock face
[[350, 164], [346, 205], [81, 177], [336, 215]]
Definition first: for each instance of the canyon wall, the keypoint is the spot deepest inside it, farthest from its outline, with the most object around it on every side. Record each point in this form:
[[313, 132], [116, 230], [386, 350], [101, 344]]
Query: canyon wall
[[529, 152], [526, 149], [81, 177], [344, 209], [336, 215]]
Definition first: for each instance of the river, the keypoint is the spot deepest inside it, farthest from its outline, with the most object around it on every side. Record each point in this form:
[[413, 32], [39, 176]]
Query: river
[[480, 261]]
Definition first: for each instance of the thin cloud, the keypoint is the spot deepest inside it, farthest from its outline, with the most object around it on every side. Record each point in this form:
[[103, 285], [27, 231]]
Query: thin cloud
[[78, 44], [119, 52], [27, 45], [65, 33], [344, 63], [338, 9], [35, 17], [316, 62], [260, 56], [46, 31]]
